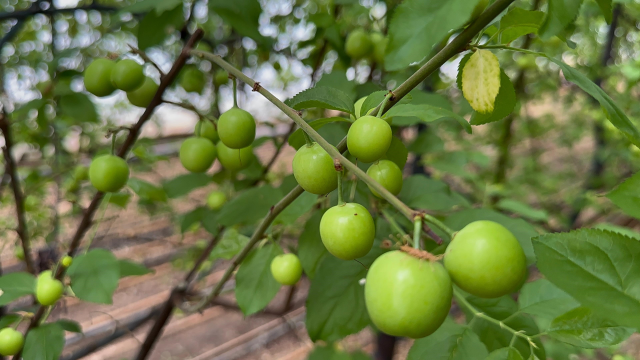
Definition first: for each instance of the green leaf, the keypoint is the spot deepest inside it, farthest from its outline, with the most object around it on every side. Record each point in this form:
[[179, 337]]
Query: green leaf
[[255, 286], [519, 22], [504, 309], [605, 7], [619, 229], [337, 79], [522, 209], [626, 196], [188, 219], [249, 207], [615, 115], [398, 152], [16, 285], [311, 251], [297, 208], [154, 27], [44, 342], [461, 65], [120, 199], [481, 81], [296, 139], [543, 299], [335, 305], [417, 25], [79, 107], [147, 191], [183, 184], [94, 276], [522, 230], [560, 14], [322, 97], [600, 269], [504, 104], [8, 319], [131, 268], [70, 325], [421, 192], [230, 245], [505, 354], [580, 327], [450, 342], [427, 113], [243, 16]]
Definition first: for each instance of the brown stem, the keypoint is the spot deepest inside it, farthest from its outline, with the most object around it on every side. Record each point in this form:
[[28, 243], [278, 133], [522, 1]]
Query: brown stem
[[11, 169], [87, 219], [279, 148]]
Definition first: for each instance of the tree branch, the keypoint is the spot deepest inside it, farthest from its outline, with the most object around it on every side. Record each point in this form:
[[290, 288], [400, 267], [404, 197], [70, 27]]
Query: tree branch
[[11, 169], [134, 132]]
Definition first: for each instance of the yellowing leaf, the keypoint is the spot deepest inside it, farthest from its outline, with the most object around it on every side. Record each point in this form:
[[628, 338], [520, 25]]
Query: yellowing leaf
[[481, 81]]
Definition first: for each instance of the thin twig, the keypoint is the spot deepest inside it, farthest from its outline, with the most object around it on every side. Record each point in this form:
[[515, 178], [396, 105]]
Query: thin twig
[[11, 169], [146, 58], [134, 132]]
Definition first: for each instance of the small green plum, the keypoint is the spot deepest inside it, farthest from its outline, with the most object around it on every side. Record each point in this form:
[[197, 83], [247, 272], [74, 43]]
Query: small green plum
[[234, 159], [387, 174], [97, 77], [216, 199], [237, 128], [197, 154], [208, 130], [347, 231], [48, 289], [127, 75], [108, 173], [369, 138], [11, 341], [143, 95], [286, 269], [314, 170]]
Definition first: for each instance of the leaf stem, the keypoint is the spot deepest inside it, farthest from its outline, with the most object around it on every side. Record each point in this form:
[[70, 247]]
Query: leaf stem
[[476, 313], [384, 103], [417, 231], [439, 224], [340, 174], [307, 139]]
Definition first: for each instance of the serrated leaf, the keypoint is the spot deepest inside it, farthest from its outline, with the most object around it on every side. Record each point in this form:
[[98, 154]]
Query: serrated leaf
[[450, 342], [255, 286], [243, 16], [421, 192], [543, 299], [322, 97], [79, 107], [296, 139], [335, 305], [494, 338], [600, 269], [427, 113], [626, 196], [311, 251], [522, 209], [16, 285], [504, 104], [337, 79], [519, 22], [505, 354], [522, 230], [183, 184], [249, 207], [481, 81], [70, 325], [619, 229], [398, 153], [94, 276], [44, 342], [416, 26], [230, 244], [580, 327], [615, 115], [132, 268], [560, 14]]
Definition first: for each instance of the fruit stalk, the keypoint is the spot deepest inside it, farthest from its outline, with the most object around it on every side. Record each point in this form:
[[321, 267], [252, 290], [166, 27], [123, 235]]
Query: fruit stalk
[[340, 171], [417, 230], [87, 219]]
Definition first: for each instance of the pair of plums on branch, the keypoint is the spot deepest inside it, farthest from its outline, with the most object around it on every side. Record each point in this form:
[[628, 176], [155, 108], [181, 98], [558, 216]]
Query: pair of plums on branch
[[229, 140]]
